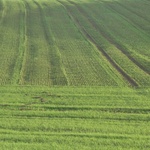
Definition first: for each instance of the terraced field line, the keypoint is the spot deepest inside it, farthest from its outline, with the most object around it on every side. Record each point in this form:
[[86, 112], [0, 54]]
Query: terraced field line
[[90, 38], [47, 33], [24, 45], [109, 38]]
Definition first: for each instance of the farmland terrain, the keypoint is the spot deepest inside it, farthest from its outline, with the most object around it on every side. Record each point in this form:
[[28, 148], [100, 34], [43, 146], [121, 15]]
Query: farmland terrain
[[74, 74], [74, 118], [63, 42]]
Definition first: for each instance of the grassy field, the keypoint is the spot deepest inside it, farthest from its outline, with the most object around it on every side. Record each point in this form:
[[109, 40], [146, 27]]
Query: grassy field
[[61, 118], [74, 74], [66, 42]]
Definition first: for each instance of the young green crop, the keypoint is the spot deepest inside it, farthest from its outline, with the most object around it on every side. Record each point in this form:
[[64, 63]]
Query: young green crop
[[73, 43], [74, 118], [66, 71]]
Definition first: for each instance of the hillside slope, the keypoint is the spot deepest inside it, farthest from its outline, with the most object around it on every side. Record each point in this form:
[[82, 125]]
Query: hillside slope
[[80, 42]]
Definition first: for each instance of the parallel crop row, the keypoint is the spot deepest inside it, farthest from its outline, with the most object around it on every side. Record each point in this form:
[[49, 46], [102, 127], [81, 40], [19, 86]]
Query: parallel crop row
[[9, 39], [66, 42], [103, 37], [82, 63]]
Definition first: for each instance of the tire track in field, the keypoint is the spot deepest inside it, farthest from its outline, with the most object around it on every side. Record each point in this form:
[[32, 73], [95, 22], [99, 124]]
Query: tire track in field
[[20, 60], [22, 70], [90, 38], [110, 40], [50, 41]]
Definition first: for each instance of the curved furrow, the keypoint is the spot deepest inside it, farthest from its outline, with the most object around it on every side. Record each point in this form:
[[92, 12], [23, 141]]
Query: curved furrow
[[90, 38], [109, 39]]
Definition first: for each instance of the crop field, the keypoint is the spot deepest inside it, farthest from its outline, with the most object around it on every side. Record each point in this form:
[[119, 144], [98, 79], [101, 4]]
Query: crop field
[[75, 43], [74, 74], [62, 118]]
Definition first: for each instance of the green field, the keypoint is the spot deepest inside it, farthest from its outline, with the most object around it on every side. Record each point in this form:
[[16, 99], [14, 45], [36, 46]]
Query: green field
[[62, 118], [74, 74]]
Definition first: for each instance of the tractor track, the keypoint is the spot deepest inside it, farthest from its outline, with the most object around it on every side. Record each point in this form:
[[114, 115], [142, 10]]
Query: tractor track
[[50, 41], [111, 40], [90, 38], [132, 11]]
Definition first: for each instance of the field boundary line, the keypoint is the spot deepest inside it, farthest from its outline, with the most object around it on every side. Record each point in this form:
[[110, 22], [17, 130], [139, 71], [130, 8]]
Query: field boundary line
[[113, 63]]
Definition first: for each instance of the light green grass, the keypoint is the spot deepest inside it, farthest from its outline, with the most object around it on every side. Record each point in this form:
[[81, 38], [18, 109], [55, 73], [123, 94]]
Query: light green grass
[[74, 118]]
